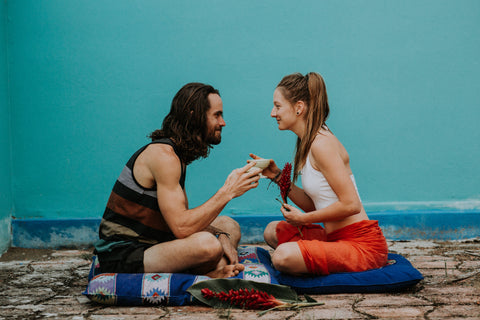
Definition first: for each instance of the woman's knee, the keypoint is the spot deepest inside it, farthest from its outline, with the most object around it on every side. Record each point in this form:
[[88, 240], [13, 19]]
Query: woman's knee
[[270, 234], [286, 257]]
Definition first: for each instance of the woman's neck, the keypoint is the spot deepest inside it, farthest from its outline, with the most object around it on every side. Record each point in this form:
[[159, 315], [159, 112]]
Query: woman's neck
[[299, 128]]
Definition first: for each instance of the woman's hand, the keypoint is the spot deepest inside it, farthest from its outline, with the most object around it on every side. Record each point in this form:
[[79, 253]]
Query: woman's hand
[[293, 215], [271, 171]]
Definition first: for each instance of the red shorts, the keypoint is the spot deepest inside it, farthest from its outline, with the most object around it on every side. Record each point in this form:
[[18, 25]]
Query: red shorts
[[357, 247]]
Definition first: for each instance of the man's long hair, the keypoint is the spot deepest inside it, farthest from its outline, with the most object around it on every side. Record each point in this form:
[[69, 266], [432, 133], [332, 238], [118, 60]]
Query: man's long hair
[[186, 124]]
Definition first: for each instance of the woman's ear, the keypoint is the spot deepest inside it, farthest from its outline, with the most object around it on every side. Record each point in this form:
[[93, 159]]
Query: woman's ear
[[300, 108]]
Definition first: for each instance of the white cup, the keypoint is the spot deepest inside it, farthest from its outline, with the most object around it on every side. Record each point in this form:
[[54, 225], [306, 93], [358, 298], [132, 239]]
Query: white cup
[[260, 163]]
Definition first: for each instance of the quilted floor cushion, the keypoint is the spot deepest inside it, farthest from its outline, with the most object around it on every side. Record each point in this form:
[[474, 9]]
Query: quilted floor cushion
[[167, 288], [171, 289], [397, 275]]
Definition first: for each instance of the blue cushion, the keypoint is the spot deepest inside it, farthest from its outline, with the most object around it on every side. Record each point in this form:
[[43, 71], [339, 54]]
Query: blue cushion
[[167, 288], [171, 289], [397, 275]]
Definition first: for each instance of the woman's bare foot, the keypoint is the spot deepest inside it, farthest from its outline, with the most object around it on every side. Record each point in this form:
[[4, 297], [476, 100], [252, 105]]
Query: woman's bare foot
[[227, 271]]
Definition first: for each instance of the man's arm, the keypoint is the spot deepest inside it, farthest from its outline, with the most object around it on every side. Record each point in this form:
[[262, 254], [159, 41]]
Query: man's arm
[[165, 168]]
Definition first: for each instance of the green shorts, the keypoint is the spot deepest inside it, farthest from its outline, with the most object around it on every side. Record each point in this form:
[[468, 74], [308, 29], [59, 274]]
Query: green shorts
[[124, 258]]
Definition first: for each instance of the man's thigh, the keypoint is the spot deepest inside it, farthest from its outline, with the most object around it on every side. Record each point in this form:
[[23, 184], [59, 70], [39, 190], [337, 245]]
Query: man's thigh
[[183, 254]]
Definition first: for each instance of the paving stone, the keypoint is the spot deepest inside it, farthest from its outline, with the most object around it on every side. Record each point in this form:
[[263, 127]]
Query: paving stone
[[337, 300], [131, 310], [440, 264], [330, 313], [452, 310], [71, 253], [456, 299], [440, 275], [379, 300], [418, 246], [388, 312], [451, 290], [470, 265], [126, 317]]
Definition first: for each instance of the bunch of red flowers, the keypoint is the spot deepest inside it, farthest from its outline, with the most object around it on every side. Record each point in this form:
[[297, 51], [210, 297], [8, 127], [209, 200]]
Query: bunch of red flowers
[[247, 299], [285, 184], [285, 181]]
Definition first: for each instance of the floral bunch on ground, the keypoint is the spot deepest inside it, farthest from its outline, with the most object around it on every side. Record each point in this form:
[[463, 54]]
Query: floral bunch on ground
[[246, 294], [244, 298]]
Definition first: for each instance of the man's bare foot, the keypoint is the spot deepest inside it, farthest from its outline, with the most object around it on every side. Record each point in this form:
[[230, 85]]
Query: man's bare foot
[[227, 271]]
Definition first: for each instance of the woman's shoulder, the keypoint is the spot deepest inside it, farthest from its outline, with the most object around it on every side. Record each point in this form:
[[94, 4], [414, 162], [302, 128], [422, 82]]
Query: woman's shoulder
[[326, 147], [324, 141]]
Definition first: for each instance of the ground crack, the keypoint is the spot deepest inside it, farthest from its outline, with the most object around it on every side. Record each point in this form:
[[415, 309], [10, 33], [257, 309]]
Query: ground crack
[[354, 308], [434, 305]]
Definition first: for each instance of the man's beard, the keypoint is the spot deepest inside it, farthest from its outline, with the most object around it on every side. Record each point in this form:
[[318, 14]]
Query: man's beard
[[214, 139]]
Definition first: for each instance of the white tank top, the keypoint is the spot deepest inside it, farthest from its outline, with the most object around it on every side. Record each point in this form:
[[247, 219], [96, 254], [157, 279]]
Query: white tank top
[[317, 188]]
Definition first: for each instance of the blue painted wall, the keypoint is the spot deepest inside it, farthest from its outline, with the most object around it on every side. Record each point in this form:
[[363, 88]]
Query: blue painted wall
[[90, 79], [6, 201]]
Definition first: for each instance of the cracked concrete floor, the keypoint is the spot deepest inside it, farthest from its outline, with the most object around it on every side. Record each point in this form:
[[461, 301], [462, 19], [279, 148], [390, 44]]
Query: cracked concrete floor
[[47, 284]]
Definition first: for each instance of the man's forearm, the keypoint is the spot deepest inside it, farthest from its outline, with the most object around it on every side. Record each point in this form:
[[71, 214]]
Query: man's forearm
[[200, 218], [239, 181]]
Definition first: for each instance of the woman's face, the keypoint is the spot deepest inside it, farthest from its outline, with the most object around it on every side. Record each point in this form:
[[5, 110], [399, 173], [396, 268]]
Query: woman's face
[[282, 111]]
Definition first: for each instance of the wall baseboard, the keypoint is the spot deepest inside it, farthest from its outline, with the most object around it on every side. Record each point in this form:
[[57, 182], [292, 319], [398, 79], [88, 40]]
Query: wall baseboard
[[396, 225]]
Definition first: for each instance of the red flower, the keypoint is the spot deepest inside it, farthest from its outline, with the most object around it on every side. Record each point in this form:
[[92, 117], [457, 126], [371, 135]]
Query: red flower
[[253, 299], [285, 184], [285, 181]]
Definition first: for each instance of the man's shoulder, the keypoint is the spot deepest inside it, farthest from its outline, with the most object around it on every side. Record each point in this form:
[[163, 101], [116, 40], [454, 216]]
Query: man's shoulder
[[160, 152], [161, 158]]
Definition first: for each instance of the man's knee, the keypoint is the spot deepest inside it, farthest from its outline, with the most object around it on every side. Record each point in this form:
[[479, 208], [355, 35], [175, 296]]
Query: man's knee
[[230, 226], [208, 246], [227, 223]]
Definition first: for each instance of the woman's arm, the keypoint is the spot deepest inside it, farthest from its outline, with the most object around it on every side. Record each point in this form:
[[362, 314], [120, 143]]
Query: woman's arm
[[301, 199], [326, 158]]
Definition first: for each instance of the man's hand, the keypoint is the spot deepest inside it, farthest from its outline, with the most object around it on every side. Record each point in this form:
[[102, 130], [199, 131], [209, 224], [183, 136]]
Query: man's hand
[[240, 181], [229, 250]]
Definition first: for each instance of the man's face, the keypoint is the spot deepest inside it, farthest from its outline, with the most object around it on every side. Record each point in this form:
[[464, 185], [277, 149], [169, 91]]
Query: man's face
[[215, 121]]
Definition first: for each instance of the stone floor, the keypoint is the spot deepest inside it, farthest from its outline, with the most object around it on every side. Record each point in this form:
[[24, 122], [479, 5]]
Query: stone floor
[[47, 284]]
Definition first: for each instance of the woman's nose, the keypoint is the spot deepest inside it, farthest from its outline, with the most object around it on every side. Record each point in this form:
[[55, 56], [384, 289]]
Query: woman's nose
[[273, 113]]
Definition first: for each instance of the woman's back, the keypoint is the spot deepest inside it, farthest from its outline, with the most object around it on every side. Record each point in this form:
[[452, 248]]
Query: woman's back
[[329, 158]]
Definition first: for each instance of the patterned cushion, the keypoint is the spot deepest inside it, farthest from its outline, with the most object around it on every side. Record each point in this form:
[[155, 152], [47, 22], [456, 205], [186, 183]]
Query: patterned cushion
[[171, 288], [167, 288]]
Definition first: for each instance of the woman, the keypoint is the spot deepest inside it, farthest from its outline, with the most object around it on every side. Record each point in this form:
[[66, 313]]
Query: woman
[[348, 240]]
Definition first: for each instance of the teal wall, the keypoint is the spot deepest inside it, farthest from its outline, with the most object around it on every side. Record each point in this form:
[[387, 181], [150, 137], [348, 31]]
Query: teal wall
[[90, 79], [6, 201]]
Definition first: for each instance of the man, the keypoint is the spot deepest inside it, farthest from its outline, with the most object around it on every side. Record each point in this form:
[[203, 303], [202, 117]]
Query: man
[[147, 225]]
